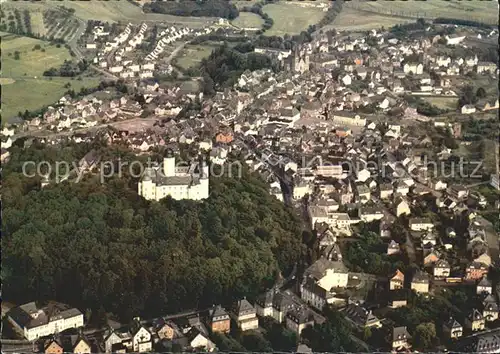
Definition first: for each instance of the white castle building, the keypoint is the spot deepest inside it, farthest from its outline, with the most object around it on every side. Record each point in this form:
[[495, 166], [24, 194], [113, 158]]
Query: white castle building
[[180, 182]]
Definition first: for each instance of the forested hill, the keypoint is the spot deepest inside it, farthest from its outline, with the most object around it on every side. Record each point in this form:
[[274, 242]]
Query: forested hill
[[199, 8], [100, 246]]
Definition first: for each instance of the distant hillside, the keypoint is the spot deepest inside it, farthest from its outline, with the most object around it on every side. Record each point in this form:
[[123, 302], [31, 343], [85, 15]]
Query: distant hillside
[[199, 8]]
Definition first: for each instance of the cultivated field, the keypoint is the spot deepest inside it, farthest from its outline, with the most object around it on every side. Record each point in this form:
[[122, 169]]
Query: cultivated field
[[37, 23], [291, 17], [248, 20], [353, 20], [483, 11], [23, 84]]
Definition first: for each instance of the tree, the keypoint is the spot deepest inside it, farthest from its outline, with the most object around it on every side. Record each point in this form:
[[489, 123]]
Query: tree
[[334, 335], [255, 342], [17, 55], [481, 92], [424, 336]]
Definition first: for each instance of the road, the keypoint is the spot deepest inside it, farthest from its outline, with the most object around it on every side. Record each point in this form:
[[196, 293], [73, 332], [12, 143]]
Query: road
[[40, 134]]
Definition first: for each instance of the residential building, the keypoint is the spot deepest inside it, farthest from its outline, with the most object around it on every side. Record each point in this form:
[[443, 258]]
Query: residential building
[[361, 317], [402, 207], [35, 322], [320, 281], [349, 120], [452, 328], [414, 68], [442, 269], [219, 320], [369, 214], [400, 339], [321, 214], [245, 315], [421, 224], [420, 282], [483, 67], [397, 280], [53, 347], [475, 321], [386, 190], [484, 286], [299, 318], [486, 343], [393, 248], [468, 109], [476, 271], [142, 340], [398, 298], [264, 303], [197, 341], [490, 309]]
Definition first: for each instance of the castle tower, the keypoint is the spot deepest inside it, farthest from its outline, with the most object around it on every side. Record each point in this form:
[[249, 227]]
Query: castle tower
[[169, 166]]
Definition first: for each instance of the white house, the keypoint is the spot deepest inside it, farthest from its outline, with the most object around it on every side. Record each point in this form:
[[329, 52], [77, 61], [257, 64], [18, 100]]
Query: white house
[[7, 132], [320, 280], [346, 80], [415, 68], [421, 224], [484, 286], [454, 39], [468, 109], [141, 340]]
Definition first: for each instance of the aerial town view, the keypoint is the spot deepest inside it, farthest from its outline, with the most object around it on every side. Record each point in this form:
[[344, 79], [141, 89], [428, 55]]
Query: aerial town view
[[250, 176]]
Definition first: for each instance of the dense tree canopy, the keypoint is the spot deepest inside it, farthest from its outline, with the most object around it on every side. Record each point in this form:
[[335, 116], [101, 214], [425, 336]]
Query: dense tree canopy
[[199, 8], [91, 244], [225, 65], [334, 335], [368, 254]]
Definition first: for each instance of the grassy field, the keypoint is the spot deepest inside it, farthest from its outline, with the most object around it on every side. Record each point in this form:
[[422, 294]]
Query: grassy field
[[110, 11], [484, 11], [489, 84], [32, 94], [192, 55], [291, 18], [32, 62], [23, 84], [489, 160], [353, 20], [443, 102], [248, 20]]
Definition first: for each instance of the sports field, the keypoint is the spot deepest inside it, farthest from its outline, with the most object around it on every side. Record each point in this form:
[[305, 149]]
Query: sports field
[[291, 17], [23, 84]]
